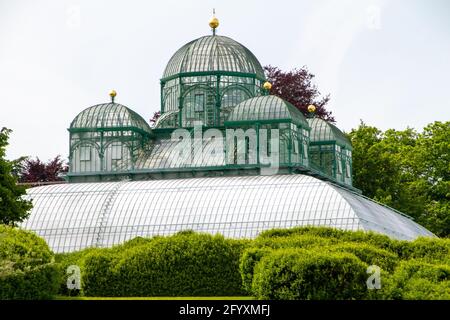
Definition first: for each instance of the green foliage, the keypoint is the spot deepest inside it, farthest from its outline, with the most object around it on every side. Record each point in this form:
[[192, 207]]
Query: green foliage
[[13, 208], [27, 269], [23, 248], [40, 282], [406, 170], [369, 248], [418, 280], [292, 274], [249, 259], [185, 264], [368, 254], [65, 260]]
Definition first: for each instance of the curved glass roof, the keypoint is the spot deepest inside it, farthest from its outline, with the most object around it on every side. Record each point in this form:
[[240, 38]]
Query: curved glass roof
[[213, 53], [166, 119], [322, 130], [265, 108], [109, 115], [79, 215]]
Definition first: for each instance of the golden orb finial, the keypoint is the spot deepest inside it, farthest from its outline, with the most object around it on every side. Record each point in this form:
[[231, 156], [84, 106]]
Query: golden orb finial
[[311, 108], [214, 22], [267, 85], [112, 94]]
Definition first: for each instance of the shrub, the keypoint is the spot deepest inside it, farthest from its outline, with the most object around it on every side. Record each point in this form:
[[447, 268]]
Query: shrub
[[22, 247], [40, 282], [65, 260], [309, 274], [98, 278], [369, 254], [428, 249], [249, 259], [294, 241], [27, 268], [185, 264], [336, 235], [416, 279]]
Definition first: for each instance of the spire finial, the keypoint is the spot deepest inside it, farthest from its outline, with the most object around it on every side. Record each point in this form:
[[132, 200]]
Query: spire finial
[[311, 110], [112, 94], [214, 22]]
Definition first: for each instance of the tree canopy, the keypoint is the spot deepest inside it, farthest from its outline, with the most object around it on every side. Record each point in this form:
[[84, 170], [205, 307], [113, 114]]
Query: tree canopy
[[13, 208], [297, 88], [407, 170], [35, 170]]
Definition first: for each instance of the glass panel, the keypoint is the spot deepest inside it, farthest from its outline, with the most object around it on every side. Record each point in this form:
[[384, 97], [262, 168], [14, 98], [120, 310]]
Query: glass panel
[[85, 153], [116, 151]]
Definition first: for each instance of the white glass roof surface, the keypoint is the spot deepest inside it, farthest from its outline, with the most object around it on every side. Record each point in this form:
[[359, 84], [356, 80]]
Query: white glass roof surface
[[79, 215]]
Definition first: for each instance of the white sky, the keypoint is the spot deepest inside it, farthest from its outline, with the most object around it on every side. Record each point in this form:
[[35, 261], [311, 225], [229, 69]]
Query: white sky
[[383, 61]]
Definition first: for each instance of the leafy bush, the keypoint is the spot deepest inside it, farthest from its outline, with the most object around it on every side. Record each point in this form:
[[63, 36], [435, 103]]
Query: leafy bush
[[22, 247], [291, 274], [249, 259], [369, 254], [186, 264], [98, 277], [428, 249], [336, 235], [65, 260], [294, 241], [27, 268], [416, 279]]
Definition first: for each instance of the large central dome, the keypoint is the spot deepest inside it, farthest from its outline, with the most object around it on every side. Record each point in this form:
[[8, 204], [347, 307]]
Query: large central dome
[[213, 54]]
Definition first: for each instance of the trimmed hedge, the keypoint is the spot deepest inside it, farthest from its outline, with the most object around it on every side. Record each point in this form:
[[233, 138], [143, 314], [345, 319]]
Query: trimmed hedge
[[65, 260], [418, 280], [338, 236], [27, 268], [292, 274], [186, 264], [392, 256]]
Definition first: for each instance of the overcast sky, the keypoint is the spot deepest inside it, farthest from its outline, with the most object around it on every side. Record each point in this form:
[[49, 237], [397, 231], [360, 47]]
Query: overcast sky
[[383, 61]]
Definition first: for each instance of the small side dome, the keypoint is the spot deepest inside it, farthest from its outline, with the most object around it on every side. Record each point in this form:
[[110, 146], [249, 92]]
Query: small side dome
[[109, 116], [266, 108], [323, 131]]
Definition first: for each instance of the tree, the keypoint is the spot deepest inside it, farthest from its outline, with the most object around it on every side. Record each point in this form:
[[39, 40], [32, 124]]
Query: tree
[[296, 87], [155, 117], [13, 208], [406, 170], [34, 170]]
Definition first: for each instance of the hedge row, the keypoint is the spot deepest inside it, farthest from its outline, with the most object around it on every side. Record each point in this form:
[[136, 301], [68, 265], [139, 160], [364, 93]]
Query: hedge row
[[297, 263], [185, 264], [325, 263], [27, 268]]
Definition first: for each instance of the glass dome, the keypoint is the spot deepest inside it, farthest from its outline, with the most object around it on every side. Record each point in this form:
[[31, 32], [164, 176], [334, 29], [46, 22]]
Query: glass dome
[[109, 115], [213, 54], [208, 76], [323, 131], [79, 215], [266, 108]]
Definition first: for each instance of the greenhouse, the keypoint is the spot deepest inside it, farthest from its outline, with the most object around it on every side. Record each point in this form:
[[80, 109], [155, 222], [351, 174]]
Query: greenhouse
[[224, 156]]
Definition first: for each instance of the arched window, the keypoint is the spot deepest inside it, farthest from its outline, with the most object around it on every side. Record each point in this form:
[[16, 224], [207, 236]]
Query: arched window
[[85, 158], [117, 157], [199, 107]]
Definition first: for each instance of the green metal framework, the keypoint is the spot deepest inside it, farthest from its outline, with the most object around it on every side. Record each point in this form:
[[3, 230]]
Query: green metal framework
[[107, 137], [206, 77], [330, 151], [272, 112], [216, 83]]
